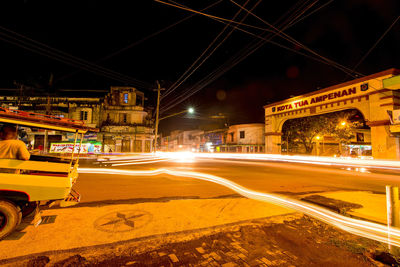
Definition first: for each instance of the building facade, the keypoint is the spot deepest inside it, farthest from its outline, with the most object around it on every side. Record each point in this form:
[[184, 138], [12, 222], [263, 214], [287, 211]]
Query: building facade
[[182, 141], [125, 124], [241, 138], [245, 138]]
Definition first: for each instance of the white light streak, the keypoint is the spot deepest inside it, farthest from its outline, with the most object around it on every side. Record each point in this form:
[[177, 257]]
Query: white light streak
[[328, 161], [359, 227]]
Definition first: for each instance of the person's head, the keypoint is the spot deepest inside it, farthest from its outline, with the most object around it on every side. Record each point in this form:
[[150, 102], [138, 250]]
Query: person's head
[[8, 132]]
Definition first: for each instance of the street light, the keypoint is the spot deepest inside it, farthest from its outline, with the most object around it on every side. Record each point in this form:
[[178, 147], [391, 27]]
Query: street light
[[189, 110], [343, 123], [317, 144]]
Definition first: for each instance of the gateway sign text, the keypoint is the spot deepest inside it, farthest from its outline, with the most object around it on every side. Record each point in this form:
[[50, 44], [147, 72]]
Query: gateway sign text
[[317, 99]]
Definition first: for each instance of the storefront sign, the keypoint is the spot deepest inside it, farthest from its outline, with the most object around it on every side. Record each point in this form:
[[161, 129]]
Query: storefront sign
[[87, 148], [315, 100], [89, 136]]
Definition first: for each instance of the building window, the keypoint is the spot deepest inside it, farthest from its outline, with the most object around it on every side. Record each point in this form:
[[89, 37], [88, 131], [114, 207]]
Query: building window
[[126, 98], [241, 134], [84, 115], [124, 118]]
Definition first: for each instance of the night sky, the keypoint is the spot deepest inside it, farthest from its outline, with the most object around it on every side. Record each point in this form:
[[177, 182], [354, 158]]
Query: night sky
[[342, 31]]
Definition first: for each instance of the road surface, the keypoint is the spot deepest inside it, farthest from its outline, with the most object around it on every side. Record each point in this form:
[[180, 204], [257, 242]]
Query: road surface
[[267, 176]]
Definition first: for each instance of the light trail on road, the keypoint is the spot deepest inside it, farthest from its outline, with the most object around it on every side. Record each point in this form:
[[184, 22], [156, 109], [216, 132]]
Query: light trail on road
[[138, 162], [362, 228], [135, 160], [327, 161]]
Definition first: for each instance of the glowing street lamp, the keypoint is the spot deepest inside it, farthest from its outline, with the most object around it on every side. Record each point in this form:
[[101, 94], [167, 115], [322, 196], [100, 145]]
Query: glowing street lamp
[[343, 123], [317, 144]]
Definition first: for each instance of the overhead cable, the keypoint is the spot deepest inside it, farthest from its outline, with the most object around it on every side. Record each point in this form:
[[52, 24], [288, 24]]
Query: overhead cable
[[119, 51], [192, 68], [209, 78], [56, 54]]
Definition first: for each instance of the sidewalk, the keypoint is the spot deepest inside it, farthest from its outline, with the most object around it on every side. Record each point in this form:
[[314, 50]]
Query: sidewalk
[[373, 206], [234, 231], [70, 228], [285, 240]]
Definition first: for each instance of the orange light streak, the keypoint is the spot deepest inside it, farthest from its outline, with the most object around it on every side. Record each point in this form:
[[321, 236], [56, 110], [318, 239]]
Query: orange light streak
[[328, 161], [359, 227]]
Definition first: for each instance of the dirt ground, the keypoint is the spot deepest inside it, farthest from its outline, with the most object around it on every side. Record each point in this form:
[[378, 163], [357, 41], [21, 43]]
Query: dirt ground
[[293, 240]]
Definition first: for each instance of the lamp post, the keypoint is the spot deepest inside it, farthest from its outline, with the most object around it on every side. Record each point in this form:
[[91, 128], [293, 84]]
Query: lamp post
[[189, 110], [342, 125], [317, 144]]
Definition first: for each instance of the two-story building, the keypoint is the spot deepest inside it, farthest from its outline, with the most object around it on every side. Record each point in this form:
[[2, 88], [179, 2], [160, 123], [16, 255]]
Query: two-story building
[[245, 138], [126, 126]]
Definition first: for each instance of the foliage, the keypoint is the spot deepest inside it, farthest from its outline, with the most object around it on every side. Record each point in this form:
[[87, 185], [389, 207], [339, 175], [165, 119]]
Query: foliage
[[304, 131]]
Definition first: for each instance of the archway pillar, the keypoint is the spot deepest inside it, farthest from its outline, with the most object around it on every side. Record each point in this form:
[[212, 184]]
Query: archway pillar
[[384, 145], [273, 142], [273, 135]]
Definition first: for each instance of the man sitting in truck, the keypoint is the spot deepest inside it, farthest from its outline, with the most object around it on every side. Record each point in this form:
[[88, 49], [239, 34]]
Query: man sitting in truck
[[10, 147]]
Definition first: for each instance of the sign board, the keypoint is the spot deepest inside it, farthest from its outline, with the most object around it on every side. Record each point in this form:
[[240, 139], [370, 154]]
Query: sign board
[[87, 148], [88, 136]]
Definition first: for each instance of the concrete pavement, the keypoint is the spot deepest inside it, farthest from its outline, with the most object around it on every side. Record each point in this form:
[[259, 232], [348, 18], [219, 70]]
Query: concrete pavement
[[373, 205], [90, 226]]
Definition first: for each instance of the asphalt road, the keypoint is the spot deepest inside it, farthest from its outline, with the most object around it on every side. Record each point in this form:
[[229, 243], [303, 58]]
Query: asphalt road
[[271, 176]]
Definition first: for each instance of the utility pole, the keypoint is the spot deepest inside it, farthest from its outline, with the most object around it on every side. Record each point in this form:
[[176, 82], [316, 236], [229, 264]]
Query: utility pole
[[157, 115], [46, 133], [393, 215], [48, 108]]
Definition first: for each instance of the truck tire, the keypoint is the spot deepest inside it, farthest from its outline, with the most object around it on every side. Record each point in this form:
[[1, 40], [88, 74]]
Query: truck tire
[[10, 217]]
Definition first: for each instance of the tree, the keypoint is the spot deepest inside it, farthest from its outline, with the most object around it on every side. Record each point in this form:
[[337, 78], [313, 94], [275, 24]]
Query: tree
[[303, 131], [342, 125]]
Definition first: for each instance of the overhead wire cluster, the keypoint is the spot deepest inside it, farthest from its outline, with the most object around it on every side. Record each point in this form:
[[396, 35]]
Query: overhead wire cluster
[[265, 36], [27, 43], [135, 43], [208, 51]]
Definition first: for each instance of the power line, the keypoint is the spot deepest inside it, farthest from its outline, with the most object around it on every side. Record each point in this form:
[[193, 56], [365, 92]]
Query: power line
[[217, 73], [312, 12], [142, 40], [230, 63], [45, 50], [282, 35], [376, 43], [294, 41], [201, 84], [249, 49], [182, 78]]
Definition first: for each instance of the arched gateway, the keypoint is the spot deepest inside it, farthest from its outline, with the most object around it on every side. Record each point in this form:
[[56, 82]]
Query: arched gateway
[[375, 96]]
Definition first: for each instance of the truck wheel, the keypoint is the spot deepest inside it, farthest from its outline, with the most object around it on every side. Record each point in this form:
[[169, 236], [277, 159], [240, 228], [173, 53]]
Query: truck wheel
[[10, 217]]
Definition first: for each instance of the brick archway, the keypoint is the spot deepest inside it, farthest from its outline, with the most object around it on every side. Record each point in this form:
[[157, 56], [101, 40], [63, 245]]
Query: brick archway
[[373, 96]]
